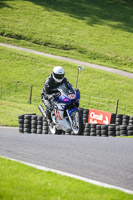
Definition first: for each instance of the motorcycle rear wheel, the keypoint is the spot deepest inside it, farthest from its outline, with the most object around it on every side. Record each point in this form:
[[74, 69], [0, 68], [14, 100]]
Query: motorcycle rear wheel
[[77, 123]]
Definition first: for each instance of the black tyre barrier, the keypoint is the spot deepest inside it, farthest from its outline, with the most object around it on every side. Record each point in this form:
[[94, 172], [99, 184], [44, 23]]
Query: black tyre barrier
[[130, 130], [34, 124], [92, 129], [130, 120], [85, 115], [34, 117], [27, 130], [104, 130], [39, 127], [86, 129], [85, 111], [121, 125], [118, 120], [104, 133], [98, 130], [131, 117], [39, 124], [27, 123], [39, 131], [45, 123], [39, 118], [117, 130], [125, 120], [34, 130], [21, 123], [119, 116], [44, 126], [21, 130], [111, 130], [123, 130]]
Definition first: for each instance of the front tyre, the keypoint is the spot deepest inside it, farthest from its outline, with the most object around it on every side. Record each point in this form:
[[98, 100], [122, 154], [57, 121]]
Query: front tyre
[[77, 122]]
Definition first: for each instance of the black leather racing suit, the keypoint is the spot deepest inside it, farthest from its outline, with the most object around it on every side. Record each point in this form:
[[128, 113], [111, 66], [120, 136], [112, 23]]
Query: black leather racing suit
[[49, 88]]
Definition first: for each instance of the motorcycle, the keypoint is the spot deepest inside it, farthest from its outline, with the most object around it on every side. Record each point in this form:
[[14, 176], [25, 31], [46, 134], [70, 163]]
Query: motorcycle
[[65, 113]]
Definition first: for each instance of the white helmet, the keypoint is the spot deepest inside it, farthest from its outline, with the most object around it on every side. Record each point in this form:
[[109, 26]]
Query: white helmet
[[58, 74]]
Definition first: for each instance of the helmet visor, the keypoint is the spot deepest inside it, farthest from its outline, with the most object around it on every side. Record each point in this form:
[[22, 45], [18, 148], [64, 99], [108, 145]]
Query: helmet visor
[[59, 76]]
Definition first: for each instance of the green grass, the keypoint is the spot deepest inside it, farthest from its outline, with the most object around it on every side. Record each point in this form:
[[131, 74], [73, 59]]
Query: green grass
[[89, 30], [18, 181], [125, 136], [9, 112], [19, 70]]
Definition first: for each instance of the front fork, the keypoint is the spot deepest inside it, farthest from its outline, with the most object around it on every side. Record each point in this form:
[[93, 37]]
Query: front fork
[[69, 112]]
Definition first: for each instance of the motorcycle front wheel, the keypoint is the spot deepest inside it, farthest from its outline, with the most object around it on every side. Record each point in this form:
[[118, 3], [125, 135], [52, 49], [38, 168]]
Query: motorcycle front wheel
[[77, 122]]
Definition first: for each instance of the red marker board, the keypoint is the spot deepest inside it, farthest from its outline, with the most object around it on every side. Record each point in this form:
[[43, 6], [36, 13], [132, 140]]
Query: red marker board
[[99, 117]]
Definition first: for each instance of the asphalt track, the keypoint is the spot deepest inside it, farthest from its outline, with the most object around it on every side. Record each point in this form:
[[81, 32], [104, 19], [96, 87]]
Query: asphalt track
[[109, 160], [104, 68]]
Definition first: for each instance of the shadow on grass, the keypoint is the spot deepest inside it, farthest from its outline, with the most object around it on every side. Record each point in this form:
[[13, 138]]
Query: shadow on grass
[[94, 11], [4, 4]]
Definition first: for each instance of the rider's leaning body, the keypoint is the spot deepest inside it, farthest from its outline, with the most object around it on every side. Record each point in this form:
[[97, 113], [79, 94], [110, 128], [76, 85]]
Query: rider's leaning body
[[50, 88]]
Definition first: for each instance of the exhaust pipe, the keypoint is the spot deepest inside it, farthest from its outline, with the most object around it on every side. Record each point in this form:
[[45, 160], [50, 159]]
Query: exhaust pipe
[[42, 110]]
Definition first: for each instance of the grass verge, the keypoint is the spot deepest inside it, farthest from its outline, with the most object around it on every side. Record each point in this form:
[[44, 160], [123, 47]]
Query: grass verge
[[93, 31], [19, 70], [9, 112], [18, 181]]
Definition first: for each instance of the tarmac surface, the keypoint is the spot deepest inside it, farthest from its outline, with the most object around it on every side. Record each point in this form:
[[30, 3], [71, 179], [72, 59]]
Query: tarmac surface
[[105, 159]]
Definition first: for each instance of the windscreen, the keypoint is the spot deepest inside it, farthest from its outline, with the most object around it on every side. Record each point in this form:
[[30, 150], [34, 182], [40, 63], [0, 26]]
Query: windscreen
[[66, 89]]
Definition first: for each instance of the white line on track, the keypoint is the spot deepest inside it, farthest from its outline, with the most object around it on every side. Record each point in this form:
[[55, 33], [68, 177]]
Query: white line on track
[[71, 175]]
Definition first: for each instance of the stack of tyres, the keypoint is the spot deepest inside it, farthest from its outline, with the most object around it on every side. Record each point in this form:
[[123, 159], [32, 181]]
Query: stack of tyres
[[34, 124], [21, 123], [27, 123], [39, 124], [118, 120], [85, 115], [111, 130], [81, 112], [92, 129], [45, 126], [130, 120], [98, 130], [117, 130], [130, 130], [125, 120], [87, 129], [104, 130], [123, 130]]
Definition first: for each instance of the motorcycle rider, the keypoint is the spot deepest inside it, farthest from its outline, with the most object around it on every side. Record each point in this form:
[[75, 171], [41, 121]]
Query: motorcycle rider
[[50, 88]]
